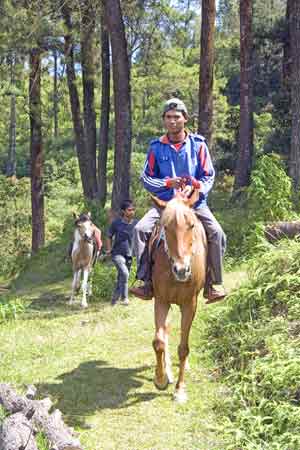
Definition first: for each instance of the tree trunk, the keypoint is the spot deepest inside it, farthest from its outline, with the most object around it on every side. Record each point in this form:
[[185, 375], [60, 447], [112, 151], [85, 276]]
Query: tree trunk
[[245, 157], [279, 230], [205, 119], [287, 57], [105, 109], [55, 95], [294, 163], [11, 160], [83, 159], [122, 102], [59, 435], [16, 433], [36, 147], [88, 83]]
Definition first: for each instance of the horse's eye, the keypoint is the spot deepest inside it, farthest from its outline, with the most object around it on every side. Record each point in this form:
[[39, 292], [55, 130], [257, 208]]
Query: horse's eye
[[191, 226]]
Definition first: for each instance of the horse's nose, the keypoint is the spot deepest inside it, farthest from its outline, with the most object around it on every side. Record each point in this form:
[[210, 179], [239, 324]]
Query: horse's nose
[[182, 273]]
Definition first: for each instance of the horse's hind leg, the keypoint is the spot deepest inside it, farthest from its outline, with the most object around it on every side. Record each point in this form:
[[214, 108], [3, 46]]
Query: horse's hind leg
[[161, 380], [168, 361], [187, 316]]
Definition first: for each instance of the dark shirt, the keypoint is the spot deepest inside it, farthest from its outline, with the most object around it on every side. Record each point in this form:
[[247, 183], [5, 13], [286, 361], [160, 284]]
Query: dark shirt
[[122, 234]]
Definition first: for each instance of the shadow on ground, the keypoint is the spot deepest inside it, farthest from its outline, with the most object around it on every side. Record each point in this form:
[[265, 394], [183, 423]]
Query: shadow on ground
[[53, 303], [94, 386]]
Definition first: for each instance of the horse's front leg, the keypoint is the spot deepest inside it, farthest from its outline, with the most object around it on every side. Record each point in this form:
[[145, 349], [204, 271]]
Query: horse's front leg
[[76, 276], [161, 380], [84, 288], [187, 315]]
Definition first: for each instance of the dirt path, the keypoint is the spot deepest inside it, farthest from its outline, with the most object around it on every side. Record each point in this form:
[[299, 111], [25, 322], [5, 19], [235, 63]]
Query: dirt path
[[98, 366]]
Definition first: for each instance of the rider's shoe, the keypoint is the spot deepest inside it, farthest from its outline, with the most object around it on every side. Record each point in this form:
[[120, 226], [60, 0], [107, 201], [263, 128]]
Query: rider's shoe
[[144, 292], [213, 295]]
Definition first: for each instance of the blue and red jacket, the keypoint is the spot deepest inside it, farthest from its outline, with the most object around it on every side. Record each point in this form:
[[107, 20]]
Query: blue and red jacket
[[191, 160]]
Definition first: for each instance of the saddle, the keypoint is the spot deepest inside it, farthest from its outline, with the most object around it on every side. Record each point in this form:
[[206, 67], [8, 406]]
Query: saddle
[[155, 239]]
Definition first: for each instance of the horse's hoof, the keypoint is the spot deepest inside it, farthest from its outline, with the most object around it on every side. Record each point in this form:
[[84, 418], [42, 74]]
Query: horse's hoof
[[84, 305], [180, 397], [161, 386], [70, 302]]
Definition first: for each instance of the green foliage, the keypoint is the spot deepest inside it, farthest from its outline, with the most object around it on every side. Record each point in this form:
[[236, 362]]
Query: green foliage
[[3, 414], [10, 308], [270, 192], [268, 198], [15, 223], [104, 279], [254, 341], [42, 441]]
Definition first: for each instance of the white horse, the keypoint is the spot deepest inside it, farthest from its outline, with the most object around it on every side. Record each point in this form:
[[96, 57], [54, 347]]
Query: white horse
[[83, 256]]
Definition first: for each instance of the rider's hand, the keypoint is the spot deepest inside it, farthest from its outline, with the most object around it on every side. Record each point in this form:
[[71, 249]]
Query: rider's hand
[[174, 183]]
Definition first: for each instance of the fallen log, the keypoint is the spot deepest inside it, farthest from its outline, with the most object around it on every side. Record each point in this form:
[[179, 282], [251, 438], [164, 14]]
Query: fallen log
[[279, 230], [16, 433], [52, 425]]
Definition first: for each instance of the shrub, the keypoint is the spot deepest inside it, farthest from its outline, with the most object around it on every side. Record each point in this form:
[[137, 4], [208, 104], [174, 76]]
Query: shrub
[[10, 308], [104, 279], [254, 341], [15, 223], [270, 192]]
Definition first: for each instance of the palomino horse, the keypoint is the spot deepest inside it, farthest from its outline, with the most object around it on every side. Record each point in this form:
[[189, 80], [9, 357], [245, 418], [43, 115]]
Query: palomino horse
[[178, 275], [83, 256]]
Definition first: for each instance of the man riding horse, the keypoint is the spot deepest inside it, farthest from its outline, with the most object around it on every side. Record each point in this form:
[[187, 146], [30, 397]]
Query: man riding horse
[[174, 160]]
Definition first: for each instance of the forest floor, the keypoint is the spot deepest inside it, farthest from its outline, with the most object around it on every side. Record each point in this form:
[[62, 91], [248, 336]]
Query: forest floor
[[97, 366]]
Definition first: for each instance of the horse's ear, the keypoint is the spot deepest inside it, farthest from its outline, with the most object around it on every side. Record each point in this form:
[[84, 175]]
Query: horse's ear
[[193, 197], [76, 216], [89, 214], [160, 203]]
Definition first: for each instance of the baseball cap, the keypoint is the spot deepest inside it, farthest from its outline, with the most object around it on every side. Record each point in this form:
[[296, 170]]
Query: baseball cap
[[175, 103]]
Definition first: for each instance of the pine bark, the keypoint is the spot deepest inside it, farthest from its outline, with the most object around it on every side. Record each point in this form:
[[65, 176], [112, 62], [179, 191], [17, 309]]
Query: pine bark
[[55, 95], [122, 102], [294, 163], [87, 177], [105, 110], [279, 230], [206, 79], [37, 412], [245, 157], [11, 160], [16, 433], [36, 148], [287, 57], [88, 84]]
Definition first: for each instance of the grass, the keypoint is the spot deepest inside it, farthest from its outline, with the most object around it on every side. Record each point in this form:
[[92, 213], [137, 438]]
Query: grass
[[97, 366]]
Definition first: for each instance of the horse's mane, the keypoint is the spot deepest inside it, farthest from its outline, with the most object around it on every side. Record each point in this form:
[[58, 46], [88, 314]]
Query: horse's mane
[[177, 207]]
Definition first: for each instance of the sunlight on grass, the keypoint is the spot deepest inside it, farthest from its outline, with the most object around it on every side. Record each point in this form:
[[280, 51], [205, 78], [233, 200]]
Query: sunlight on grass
[[97, 367]]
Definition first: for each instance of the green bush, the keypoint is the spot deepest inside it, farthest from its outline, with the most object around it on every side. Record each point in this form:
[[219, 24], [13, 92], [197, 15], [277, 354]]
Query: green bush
[[270, 192], [254, 341], [10, 308], [15, 224], [104, 279], [268, 198]]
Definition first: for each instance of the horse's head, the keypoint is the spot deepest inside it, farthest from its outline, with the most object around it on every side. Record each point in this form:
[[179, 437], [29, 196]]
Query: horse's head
[[84, 226], [179, 220]]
